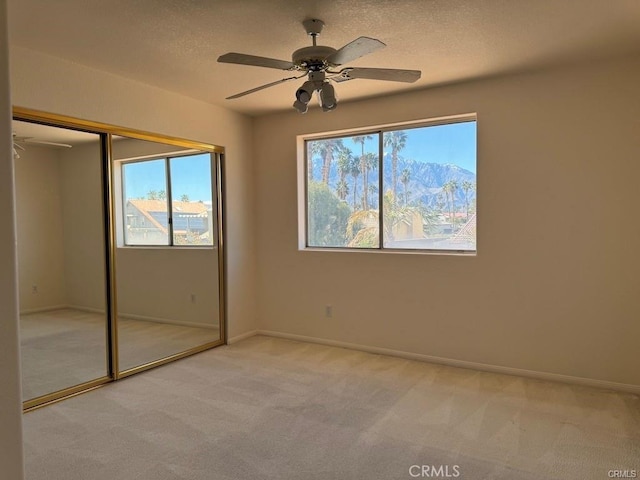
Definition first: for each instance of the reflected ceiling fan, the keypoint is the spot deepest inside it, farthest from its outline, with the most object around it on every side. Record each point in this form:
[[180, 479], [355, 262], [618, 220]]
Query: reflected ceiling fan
[[19, 143], [319, 64]]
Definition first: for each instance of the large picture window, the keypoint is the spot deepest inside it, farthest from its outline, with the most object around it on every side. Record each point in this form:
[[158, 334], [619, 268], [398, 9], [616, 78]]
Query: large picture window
[[168, 201], [423, 176]]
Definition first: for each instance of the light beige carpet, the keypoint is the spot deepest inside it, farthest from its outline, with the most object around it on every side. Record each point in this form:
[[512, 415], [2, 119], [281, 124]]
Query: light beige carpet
[[65, 347], [268, 408]]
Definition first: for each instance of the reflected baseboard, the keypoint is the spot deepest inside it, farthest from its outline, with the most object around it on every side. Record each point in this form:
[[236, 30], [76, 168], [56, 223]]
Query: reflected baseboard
[[83, 308], [144, 318], [49, 308], [131, 316], [53, 308]]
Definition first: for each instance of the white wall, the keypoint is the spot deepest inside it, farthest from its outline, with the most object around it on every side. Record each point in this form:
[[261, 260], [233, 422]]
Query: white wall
[[157, 284], [83, 225], [554, 287], [60, 228], [74, 90], [40, 231], [10, 395]]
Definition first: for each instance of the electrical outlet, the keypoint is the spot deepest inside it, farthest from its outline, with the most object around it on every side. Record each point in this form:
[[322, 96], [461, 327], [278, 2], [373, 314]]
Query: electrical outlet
[[34, 289], [328, 311]]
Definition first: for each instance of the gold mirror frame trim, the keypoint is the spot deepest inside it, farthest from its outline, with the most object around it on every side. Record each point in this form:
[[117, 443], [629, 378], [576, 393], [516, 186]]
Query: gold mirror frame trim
[[54, 397], [169, 359], [110, 243], [106, 132], [97, 127]]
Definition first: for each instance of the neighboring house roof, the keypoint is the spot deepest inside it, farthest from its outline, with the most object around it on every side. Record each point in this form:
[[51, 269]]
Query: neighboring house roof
[[161, 206], [148, 207], [468, 231]]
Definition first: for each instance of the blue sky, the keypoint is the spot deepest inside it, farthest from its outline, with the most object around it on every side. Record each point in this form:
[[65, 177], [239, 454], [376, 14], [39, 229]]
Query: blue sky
[[451, 143], [190, 175]]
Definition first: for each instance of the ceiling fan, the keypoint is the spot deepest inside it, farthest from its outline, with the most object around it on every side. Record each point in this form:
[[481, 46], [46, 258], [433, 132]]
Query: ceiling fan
[[318, 63], [19, 143]]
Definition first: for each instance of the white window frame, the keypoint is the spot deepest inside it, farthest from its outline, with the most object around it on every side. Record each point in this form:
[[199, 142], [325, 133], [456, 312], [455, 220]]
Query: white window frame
[[120, 200], [302, 164]]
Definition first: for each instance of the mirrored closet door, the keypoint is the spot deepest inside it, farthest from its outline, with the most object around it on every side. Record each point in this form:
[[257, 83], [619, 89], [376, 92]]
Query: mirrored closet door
[[167, 250], [61, 257], [119, 252]]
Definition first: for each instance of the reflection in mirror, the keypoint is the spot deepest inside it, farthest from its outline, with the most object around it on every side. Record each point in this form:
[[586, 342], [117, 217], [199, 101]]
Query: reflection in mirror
[[166, 255], [61, 257]]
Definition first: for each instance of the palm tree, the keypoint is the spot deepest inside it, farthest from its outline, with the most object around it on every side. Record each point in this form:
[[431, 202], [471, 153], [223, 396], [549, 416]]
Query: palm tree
[[373, 191], [354, 170], [454, 188], [441, 201], [152, 195], [325, 149], [371, 162], [342, 189], [449, 189], [396, 140], [184, 198], [330, 147], [466, 188], [364, 168], [313, 149], [345, 158], [363, 227], [405, 177], [157, 195]]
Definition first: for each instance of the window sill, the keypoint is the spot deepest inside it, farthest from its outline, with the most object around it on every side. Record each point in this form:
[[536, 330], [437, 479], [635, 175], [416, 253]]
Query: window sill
[[166, 247], [454, 253]]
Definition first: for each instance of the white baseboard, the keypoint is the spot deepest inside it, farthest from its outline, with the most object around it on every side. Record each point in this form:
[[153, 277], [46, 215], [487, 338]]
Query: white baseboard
[[553, 377], [242, 336], [166, 320]]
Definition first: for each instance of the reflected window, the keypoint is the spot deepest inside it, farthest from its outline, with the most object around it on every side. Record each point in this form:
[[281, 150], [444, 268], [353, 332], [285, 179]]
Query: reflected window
[[168, 201]]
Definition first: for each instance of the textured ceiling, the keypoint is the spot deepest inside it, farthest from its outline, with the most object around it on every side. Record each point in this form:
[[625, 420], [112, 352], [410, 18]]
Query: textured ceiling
[[174, 44]]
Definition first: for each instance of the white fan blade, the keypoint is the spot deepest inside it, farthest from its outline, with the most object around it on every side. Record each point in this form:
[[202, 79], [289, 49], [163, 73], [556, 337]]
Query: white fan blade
[[242, 59], [262, 87], [15, 144], [389, 74], [51, 144], [359, 47]]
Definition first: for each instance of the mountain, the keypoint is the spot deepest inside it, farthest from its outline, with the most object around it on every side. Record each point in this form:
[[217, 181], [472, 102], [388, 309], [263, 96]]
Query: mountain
[[427, 179]]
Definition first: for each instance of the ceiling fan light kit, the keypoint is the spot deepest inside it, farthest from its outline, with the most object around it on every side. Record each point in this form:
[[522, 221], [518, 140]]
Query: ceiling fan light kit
[[317, 63], [316, 83]]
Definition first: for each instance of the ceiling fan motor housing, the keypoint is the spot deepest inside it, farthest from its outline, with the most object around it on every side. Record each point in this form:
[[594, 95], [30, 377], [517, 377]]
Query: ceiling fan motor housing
[[312, 58], [316, 62]]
